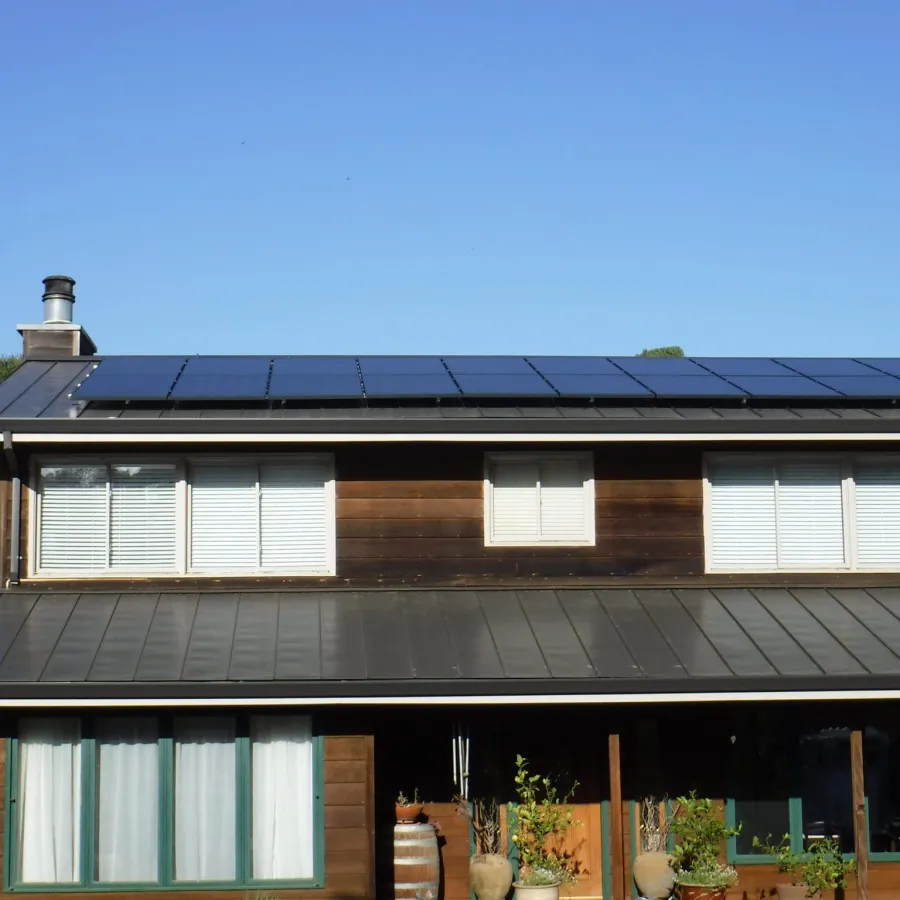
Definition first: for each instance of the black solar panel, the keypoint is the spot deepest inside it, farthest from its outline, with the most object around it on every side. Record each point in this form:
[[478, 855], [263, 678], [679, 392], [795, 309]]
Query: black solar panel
[[314, 365], [131, 378], [863, 386], [220, 386], [891, 366], [598, 386], [772, 386], [650, 365], [723, 365], [816, 367], [488, 365], [141, 365], [290, 386], [500, 385], [690, 386], [227, 365], [410, 385], [574, 365], [401, 365]]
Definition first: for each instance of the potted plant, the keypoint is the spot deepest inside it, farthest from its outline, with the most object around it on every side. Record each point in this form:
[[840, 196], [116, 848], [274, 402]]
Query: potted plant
[[543, 816], [699, 834], [821, 867], [406, 810], [652, 867], [490, 872]]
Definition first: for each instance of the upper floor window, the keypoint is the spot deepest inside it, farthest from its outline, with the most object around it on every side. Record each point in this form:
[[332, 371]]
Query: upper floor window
[[539, 499], [802, 512], [214, 516]]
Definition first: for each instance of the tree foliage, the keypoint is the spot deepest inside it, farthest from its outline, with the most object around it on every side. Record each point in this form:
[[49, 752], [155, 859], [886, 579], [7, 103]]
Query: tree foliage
[[673, 351], [7, 365]]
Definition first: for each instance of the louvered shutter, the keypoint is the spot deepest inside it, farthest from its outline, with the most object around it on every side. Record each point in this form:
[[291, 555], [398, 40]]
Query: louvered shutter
[[878, 515], [73, 520], [742, 533], [292, 516], [514, 501], [810, 515], [143, 529], [224, 518], [563, 501]]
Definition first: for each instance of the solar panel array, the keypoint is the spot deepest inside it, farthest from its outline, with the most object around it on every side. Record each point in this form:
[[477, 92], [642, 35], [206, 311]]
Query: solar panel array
[[257, 378]]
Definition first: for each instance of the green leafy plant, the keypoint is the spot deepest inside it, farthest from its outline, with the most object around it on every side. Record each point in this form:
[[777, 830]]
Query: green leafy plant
[[543, 816], [821, 867], [673, 351], [403, 800], [8, 364], [699, 834]]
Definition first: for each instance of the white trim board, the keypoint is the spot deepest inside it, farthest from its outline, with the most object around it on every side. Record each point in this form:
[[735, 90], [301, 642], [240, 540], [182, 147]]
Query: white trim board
[[486, 700], [27, 437]]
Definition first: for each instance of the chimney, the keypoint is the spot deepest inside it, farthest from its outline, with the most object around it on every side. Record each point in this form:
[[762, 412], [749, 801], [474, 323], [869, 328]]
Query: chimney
[[57, 337]]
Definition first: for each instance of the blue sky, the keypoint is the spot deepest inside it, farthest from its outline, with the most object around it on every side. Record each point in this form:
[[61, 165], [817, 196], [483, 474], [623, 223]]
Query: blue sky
[[459, 176]]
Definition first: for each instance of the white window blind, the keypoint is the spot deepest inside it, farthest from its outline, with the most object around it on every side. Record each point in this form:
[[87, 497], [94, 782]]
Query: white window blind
[[535, 500], [878, 514], [143, 519], [73, 518], [810, 515], [224, 518], [742, 516]]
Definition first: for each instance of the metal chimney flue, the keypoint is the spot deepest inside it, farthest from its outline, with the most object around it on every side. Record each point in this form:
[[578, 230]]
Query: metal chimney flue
[[59, 298]]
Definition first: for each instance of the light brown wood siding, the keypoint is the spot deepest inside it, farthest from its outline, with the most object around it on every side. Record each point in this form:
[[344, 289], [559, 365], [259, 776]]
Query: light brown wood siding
[[349, 839]]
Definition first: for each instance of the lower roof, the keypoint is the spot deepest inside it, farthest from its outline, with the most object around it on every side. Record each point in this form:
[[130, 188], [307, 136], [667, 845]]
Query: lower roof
[[369, 646]]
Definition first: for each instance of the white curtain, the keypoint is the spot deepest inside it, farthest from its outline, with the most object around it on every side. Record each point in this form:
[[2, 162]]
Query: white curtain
[[49, 801], [205, 797], [127, 800], [283, 796]]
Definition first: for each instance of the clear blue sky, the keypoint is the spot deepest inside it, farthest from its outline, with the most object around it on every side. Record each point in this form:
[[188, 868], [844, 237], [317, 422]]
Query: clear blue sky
[[483, 176]]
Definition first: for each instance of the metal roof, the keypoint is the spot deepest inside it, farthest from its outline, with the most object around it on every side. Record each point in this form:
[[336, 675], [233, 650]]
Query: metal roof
[[383, 644]]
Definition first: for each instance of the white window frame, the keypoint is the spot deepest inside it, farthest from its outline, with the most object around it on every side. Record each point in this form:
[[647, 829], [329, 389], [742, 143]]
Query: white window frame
[[182, 506], [848, 462], [585, 461]]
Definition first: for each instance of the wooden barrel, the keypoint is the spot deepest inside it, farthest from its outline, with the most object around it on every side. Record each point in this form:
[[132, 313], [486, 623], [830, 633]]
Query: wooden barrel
[[417, 866]]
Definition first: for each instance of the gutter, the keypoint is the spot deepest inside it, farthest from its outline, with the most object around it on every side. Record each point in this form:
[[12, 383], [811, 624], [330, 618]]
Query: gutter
[[16, 512]]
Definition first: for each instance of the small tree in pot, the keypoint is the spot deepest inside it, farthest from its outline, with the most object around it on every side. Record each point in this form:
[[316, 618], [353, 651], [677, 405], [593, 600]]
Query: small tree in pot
[[490, 872], [821, 867], [652, 868], [543, 817], [699, 834]]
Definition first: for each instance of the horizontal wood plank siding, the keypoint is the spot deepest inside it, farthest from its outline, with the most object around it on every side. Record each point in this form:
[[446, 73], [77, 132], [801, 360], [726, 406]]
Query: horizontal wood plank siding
[[349, 845]]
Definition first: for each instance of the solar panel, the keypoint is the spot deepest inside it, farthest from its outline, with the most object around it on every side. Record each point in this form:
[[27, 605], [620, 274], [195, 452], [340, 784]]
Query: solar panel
[[227, 365], [290, 386], [864, 386], [781, 386], [690, 386], [131, 378], [499, 385], [220, 386], [574, 365], [656, 365], [410, 386], [314, 365], [826, 366], [891, 366], [723, 365], [598, 386], [488, 365], [401, 365]]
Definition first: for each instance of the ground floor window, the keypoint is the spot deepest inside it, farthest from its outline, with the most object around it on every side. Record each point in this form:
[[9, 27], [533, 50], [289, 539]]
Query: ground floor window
[[795, 779], [142, 800]]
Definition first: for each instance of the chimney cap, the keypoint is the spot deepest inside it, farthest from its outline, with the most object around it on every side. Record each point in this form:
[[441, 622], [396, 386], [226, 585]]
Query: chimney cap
[[59, 284]]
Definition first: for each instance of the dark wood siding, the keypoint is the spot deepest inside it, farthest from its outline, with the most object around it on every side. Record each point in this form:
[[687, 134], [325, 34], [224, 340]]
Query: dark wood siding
[[349, 839]]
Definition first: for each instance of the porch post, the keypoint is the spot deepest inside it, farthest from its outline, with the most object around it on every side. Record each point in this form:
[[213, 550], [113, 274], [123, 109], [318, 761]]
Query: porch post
[[616, 825], [860, 832]]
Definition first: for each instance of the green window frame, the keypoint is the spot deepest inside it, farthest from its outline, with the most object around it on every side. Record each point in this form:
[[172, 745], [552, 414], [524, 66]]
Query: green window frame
[[795, 818], [166, 828]]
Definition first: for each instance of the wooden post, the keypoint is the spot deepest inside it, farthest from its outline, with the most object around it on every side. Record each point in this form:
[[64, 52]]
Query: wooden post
[[860, 832], [616, 825]]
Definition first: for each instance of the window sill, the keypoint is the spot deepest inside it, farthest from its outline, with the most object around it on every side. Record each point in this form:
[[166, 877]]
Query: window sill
[[573, 543], [134, 887], [82, 575]]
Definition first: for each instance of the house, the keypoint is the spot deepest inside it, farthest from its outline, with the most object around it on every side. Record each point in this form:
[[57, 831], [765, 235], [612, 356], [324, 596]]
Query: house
[[248, 599]]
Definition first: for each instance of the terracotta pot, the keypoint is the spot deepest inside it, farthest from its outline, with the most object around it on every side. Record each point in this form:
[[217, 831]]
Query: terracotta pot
[[795, 892], [653, 875], [700, 892], [490, 876], [536, 892], [408, 812]]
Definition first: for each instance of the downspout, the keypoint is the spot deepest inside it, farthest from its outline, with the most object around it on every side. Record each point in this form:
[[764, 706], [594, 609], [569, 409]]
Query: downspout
[[16, 511]]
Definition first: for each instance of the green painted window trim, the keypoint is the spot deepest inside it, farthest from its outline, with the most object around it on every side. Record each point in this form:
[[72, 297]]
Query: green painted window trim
[[512, 848], [795, 819], [166, 882], [605, 850]]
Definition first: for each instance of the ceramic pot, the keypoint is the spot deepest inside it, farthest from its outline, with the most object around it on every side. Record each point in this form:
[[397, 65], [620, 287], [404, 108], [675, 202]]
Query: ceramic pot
[[700, 892], [408, 812], [795, 892], [653, 875], [490, 876], [536, 892]]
